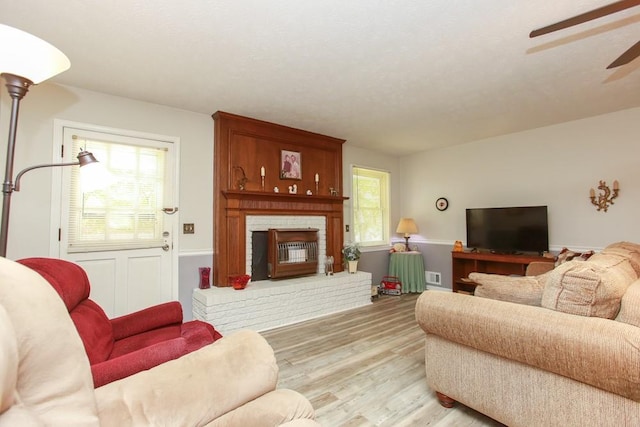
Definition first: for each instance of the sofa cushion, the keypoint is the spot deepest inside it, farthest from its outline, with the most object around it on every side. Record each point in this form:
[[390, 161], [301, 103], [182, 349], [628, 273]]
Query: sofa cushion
[[630, 305], [628, 250], [54, 379], [519, 289], [592, 288], [8, 362]]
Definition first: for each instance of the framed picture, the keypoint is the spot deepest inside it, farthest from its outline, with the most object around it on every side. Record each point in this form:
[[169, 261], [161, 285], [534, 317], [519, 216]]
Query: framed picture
[[290, 165]]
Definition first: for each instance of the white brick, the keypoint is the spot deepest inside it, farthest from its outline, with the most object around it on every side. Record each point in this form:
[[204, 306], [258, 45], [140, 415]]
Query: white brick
[[269, 304]]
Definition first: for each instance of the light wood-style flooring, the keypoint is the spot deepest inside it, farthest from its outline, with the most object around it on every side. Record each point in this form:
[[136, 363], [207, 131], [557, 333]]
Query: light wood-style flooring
[[365, 367]]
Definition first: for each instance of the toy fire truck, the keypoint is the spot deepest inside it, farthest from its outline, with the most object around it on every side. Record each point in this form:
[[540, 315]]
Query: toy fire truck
[[390, 285]]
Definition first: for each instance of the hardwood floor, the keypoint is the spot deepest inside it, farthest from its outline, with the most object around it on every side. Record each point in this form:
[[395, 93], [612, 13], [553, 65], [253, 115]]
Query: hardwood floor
[[365, 367]]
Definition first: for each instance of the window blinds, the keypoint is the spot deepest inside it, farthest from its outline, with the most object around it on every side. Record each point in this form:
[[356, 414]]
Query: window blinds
[[126, 214]]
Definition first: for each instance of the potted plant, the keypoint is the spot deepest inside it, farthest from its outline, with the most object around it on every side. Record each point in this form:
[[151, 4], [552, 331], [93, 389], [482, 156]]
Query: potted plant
[[351, 254]]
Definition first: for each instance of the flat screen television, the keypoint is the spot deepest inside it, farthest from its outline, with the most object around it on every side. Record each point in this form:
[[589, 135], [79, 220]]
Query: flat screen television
[[508, 230]]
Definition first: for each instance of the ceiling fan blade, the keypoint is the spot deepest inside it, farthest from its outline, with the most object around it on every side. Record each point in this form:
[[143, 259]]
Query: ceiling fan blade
[[629, 55], [585, 17]]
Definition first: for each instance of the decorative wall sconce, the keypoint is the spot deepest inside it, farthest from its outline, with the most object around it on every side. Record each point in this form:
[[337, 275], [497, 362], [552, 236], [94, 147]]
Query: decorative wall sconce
[[243, 180], [605, 198]]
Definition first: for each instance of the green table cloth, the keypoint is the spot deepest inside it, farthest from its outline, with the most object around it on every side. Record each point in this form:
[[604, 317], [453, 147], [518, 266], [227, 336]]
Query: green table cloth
[[409, 268]]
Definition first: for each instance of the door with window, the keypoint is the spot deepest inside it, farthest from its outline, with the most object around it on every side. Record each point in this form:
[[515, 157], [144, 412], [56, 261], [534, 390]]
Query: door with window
[[121, 231]]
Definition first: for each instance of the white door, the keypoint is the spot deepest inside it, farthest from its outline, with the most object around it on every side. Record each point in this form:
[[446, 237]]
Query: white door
[[122, 234]]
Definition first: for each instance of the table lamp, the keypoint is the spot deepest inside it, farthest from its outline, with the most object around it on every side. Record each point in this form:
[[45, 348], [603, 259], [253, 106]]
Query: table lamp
[[407, 226]]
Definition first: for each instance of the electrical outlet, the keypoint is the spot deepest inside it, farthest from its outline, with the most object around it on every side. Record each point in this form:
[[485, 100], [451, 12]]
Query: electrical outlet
[[188, 228]]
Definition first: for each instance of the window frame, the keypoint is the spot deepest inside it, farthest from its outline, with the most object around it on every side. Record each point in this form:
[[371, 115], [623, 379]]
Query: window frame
[[385, 210]]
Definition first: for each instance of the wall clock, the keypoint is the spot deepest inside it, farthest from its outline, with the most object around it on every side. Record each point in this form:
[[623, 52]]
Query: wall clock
[[442, 204]]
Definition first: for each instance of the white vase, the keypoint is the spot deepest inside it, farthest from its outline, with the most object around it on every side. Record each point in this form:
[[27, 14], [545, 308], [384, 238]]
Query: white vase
[[352, 266]]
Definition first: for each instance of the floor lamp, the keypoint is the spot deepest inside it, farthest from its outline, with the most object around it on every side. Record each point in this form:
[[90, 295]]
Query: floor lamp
[[25, 60]]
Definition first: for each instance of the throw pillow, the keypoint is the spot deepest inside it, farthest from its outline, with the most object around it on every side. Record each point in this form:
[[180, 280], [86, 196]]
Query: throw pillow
[[591, 288], [569, 255]]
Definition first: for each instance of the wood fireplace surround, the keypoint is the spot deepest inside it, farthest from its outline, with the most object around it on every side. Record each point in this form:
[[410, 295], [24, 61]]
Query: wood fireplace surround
[[243, 147]]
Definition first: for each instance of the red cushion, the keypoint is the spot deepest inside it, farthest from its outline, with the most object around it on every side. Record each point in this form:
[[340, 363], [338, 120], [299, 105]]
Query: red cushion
[[198, 334], [94, 329], [145, 339], [68, 279], [139, 360], [157, 316]]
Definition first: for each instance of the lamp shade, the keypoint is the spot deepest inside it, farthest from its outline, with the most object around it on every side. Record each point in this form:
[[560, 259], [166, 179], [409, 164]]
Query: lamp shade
[[407, 226], [27, 56]]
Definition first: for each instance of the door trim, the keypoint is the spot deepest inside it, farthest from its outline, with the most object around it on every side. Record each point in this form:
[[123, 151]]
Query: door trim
[[56, 184]]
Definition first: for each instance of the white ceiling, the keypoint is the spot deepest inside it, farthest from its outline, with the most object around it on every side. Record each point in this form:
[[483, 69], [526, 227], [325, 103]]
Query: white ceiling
[[390, 75]]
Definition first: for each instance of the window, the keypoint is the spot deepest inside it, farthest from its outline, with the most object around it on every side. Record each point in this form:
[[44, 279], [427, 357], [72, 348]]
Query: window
[[370, 206], [126, 214]]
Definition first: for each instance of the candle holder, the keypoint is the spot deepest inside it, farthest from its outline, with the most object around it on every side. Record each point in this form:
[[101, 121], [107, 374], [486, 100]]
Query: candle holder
[[242, 181], [605, 198], [262, 174]]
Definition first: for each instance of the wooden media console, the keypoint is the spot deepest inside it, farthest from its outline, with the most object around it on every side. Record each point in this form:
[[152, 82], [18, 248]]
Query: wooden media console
[[463, 263]]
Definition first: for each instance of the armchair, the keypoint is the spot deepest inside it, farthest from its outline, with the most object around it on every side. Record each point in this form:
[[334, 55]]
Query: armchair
[[45, 376], [124, 345]]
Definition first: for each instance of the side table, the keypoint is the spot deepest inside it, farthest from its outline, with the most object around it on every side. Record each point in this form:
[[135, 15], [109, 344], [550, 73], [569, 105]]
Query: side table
[[409, 268]]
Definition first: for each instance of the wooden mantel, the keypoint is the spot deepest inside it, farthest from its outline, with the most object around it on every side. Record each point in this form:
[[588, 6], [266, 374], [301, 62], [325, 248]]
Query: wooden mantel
[[253, 144]]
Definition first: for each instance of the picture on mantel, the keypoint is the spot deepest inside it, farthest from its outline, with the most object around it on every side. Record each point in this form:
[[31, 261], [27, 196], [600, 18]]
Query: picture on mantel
[[290, 165]]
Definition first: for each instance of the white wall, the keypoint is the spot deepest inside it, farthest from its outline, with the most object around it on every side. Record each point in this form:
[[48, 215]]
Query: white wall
[[30, 208], [554, 166]]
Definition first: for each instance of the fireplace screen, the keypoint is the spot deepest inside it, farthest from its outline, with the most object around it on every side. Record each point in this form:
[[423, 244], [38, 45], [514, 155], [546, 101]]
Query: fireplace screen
[[292, 252]]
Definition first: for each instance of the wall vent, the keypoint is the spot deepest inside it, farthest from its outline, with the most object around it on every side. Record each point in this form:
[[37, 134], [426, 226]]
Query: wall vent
[[433, 278]]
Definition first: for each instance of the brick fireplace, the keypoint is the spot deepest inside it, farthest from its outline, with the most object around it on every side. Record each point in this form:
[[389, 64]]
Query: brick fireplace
[[247, 156], [247, 169]]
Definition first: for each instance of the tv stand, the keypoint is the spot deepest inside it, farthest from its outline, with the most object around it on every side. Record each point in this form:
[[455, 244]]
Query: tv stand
[[505, 252], [463, 263]]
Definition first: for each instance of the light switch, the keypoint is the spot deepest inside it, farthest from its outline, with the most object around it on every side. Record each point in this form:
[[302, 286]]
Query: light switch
[[188, 228]]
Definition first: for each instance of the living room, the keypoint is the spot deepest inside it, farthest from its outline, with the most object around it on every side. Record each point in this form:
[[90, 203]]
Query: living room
[[553, 163], [554, 166]]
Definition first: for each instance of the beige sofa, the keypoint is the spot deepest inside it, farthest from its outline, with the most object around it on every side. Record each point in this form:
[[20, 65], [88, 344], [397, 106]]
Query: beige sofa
[[45, 378], [562, 348]]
